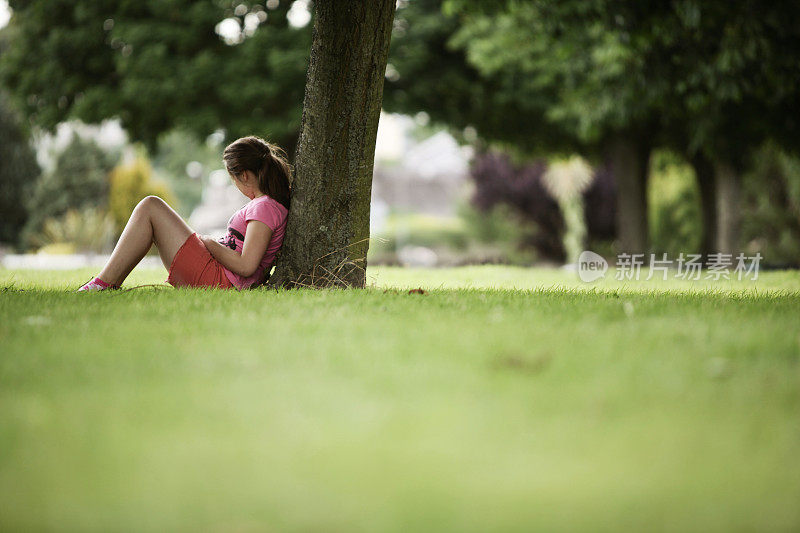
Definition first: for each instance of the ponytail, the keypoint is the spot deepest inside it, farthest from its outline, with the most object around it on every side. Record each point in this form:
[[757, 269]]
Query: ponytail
[[266, 160]]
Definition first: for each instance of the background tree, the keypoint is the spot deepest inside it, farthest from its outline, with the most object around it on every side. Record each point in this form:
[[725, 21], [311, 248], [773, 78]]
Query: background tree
[[771, 206], [19, 172], [432, 72], [546, 84], [158, 65], [734, 70], [327, 234], [78, 180], [708, 79]]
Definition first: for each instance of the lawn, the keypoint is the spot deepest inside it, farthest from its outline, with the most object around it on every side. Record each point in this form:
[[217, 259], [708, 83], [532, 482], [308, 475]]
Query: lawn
[[500, 399]]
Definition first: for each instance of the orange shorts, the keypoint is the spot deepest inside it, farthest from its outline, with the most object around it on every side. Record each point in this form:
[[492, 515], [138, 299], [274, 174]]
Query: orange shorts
[[194, 266]]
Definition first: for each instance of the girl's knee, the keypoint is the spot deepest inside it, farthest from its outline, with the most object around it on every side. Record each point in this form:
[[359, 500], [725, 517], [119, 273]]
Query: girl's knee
[[149, 203]]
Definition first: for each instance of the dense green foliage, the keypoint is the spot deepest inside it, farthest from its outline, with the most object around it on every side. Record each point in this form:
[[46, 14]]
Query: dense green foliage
[[700, 76], [459, 409], [431, 73], [157, 65], [537, 75], [18, 173]]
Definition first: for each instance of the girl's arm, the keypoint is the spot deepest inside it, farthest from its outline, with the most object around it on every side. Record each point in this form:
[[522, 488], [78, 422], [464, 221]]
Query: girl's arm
[[256, 240]]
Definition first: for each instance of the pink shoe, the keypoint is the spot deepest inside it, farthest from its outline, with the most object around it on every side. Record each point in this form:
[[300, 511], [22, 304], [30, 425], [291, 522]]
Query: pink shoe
[[97, 284]]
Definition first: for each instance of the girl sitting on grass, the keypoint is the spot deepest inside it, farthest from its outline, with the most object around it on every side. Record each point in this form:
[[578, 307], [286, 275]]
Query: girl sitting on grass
[[242, 258]]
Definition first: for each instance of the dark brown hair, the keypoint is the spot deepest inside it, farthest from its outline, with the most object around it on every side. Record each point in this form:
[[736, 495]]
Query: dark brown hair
[[264, 159]]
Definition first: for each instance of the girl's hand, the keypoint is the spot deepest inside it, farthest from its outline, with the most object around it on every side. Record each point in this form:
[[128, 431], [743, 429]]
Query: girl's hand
[[246, 262]]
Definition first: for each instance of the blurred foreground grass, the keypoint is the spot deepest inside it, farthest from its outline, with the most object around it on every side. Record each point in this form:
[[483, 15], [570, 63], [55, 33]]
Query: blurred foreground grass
[[504, 398]]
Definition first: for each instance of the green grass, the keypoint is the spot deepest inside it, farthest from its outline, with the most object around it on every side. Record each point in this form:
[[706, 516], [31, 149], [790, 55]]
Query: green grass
[[502, 399]]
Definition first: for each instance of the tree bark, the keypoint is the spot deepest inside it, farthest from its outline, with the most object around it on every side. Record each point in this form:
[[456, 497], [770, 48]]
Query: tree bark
[[728, 208], [704, 172], [327, 233], [630, 166]]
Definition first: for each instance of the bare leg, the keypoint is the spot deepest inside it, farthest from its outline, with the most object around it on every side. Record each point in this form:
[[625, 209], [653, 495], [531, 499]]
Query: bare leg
[[152, 222]]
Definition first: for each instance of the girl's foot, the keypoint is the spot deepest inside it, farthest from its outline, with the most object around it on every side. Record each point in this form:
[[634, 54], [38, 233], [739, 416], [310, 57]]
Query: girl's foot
[[97, 284]]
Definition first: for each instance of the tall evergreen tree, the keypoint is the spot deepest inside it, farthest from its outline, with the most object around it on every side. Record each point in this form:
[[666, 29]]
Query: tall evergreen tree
[[19, 172]]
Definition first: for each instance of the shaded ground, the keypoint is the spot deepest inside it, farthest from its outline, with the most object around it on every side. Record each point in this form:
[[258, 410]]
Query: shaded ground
[[666, 406]]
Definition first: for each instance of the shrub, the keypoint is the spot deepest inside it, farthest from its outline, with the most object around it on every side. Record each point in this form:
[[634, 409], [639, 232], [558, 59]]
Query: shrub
[[538, 220], [498, 180], [674, 200], [503, 230], [129, 183], [87, 230]]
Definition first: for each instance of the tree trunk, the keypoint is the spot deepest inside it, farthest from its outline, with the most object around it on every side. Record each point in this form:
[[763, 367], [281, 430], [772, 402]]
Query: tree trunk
[[704, 171], [630, 166], [728, 208], [327, 233]]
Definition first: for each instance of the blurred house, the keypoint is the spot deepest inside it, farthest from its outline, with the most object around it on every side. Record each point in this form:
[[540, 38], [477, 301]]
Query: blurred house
[[428, 179], [220, 200], [428, 176]]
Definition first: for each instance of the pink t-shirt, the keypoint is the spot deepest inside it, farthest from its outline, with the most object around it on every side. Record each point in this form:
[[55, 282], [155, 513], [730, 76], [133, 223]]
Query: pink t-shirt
[[271, 213]]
